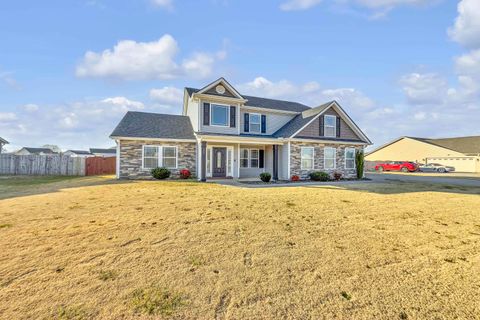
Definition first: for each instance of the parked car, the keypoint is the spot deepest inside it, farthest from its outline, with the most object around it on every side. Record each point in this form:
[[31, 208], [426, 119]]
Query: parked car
[[436, 167], [404, 166]]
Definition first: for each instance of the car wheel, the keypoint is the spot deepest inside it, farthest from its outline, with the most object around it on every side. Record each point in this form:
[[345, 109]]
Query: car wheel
[[380, 169], [404, 169], [441, 170]]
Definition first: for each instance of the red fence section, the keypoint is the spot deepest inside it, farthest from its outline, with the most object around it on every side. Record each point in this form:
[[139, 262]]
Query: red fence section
[[100, 165]]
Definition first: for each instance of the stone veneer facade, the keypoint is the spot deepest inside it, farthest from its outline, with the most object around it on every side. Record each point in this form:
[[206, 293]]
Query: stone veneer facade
[[131, 157], [295, 159]]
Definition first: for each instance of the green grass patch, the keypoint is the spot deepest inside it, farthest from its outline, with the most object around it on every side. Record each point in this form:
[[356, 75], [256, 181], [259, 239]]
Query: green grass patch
[[21, 181], [155, 300], [5, 226], [74, 312], [106, 275]]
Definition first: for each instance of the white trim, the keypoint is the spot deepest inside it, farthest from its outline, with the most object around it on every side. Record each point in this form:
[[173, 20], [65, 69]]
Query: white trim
[[250, 122], [313, 119], [211, 115], [153, 139], [225, 83], [334, 126], [176, 156], [159, 156], [259, 109], [313, 158], [240, 139], [238, 162], [117, 160], [328, 141], [288, 160], [334, 158], [345, 160]]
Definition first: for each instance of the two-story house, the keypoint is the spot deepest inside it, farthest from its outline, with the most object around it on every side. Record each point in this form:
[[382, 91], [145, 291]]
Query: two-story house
[[224, 134]]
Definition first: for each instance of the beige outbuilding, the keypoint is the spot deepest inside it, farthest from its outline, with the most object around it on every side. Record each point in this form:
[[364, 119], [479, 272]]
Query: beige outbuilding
[[463, 153]]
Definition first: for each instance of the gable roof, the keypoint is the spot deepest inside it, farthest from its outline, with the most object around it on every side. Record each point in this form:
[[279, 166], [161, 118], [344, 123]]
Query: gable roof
[[228, 86], [39, 150], [466, 145], [79, 151], [154, 125], [101, 150], [3, 141], [265, 103]]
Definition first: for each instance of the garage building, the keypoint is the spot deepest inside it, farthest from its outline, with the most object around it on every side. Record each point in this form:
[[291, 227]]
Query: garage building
[[463, 153]]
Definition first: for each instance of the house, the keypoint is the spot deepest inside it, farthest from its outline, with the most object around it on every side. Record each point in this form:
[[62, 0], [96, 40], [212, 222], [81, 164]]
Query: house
[[463, 153], [3, 142], [97, 152], [35, 151], [78, 153], [222, 133]]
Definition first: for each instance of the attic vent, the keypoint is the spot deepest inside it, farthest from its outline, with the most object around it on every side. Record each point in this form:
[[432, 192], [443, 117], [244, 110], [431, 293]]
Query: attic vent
[[220, 89]]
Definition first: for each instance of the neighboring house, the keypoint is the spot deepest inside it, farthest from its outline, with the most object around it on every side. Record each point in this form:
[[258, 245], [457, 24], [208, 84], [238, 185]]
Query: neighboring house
[[112, 152], [222, 133], [463, 153], [35, 151], [3, 142], [78, 153]]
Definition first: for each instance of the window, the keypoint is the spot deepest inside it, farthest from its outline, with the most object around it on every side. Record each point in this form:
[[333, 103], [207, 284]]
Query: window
[[254, 153], [150, 157], [306, 158], [229, 162], [349, 158], [330, 126], [170, 157], [244, 158], [219, 115], [209, 161], [157, 156], [255, 122], [329, 158]]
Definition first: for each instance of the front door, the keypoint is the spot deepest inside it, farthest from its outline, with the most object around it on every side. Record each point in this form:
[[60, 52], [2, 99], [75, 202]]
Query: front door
[[219, 162]]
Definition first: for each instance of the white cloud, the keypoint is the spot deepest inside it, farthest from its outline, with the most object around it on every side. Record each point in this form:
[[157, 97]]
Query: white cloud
[[31, 107], [167, 95], [466, 29], [376, 4], [429, 88], [165, 4], [294, 5], [7, 116], [131, 60], [8, 79]]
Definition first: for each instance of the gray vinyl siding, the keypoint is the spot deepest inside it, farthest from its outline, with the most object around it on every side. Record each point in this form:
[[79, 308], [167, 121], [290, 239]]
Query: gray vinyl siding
[[274, 120]]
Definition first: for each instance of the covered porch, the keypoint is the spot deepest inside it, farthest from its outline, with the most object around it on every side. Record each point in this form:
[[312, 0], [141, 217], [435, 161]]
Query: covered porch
[[223, 158]]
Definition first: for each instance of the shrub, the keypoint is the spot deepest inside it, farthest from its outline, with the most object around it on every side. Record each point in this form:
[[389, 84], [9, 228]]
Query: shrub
[[185, 174], [160, 173], [295, 178], [265, 176], [337, 175], [319, 176], [360, 163]]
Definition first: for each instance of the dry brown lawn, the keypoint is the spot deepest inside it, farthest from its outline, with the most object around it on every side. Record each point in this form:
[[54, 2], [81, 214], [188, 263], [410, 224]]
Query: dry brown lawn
[[92, 248]]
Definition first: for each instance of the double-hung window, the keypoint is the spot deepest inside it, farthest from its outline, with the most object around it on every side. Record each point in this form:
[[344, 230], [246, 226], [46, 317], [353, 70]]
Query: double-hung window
[[254, 155], [158, 156], [329, 155], [249, 158], [330, 126], [255, 122], [307, 155], [349, 158], [244, 158], [220, 115]]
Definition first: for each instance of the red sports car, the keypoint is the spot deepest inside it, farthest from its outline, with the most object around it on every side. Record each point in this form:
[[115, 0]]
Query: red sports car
[[404, 166]]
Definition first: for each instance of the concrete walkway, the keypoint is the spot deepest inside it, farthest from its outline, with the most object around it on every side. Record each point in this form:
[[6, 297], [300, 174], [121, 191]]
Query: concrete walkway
[[239, 184]]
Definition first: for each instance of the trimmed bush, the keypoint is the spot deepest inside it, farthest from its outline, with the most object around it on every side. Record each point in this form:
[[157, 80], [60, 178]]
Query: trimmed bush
[[265, 176], [295, 178], [185, 174], [319, 176], [161, 173], [360, 163]]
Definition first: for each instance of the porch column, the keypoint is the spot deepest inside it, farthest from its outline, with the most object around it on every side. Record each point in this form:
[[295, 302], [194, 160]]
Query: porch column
[[203, 162], [275, 162]]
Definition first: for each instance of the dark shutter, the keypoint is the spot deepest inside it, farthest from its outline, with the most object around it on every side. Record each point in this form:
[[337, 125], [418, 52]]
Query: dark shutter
[[264, 123], [233, 116], [321, 126], [261, 158], [206, 114], [246, 122], [338, 127]]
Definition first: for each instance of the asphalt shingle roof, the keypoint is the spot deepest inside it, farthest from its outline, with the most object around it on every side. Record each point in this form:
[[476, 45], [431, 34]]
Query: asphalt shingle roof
[[39, 150], [154, 125], [79, 151], [467, 145], [266, 103]]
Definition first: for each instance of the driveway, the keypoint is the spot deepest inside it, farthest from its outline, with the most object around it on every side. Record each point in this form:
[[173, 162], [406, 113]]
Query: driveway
[[467, 180]]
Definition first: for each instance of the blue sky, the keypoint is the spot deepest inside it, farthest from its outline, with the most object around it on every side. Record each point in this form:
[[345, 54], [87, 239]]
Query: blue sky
[[69, 70]]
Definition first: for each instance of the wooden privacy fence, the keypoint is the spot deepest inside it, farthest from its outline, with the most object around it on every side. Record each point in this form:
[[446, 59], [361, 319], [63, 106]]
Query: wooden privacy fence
[[99, 165], [55, 165]]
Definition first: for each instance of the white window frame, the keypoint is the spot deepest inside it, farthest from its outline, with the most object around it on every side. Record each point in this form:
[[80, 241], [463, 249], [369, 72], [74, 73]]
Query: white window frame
[[212, 105], [259, 122], [229, 159], [243, 158], [354, 162], [250, 158], [325, 126], [334, 158], [159, 156], [301, 158]]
